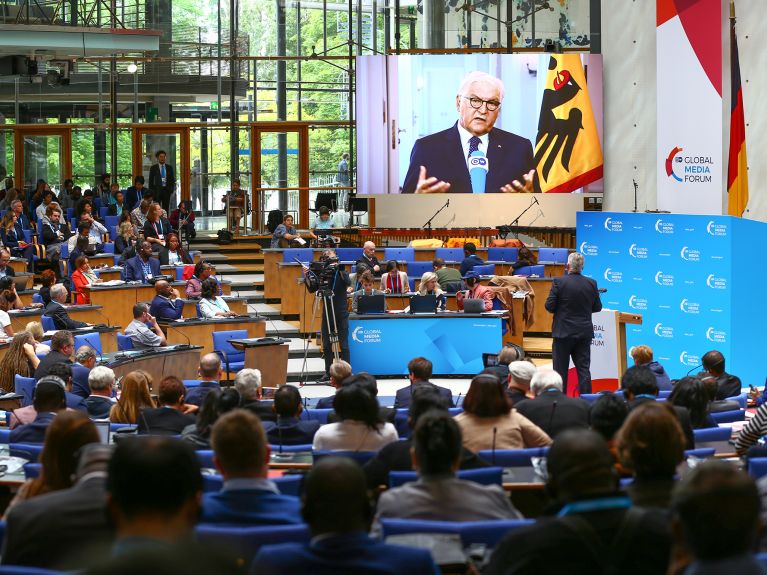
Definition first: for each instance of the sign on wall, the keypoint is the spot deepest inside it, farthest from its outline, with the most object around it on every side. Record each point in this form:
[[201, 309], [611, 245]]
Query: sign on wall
[[689, 64]]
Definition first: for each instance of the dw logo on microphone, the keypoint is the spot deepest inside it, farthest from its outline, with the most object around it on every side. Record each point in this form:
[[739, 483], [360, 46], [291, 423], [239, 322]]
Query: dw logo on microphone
[[477, 162]]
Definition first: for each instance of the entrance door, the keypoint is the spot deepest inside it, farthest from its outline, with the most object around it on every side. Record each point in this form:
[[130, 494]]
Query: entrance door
[[42, 153], [149, 141]]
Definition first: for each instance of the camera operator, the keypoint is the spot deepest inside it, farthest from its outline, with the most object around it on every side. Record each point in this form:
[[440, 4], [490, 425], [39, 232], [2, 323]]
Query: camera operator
[[328, 276]]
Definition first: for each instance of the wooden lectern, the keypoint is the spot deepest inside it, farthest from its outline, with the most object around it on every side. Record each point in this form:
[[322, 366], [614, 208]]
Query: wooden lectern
[[608, 351], [623, 319], [269, 355]]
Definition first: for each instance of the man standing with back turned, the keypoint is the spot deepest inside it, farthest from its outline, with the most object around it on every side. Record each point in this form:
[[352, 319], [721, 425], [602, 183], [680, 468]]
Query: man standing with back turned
[[572, 300]]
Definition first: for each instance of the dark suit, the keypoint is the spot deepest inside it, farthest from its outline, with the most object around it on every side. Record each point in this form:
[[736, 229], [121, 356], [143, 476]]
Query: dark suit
[[51, 358], [572, 300], [402, 399], [263, 409], [59, 530], [509, 158], [166, 309], [682, 414], [250, 507], [291, 431], [554, 412], [32, 432], [74, 401], [61, 318], [162, 193], [364, 262], [345, 553], [396, 457], [113, 209], [135, 272], [133, 197], [99, 406], [325, 402], [163, 421], [196, 395]]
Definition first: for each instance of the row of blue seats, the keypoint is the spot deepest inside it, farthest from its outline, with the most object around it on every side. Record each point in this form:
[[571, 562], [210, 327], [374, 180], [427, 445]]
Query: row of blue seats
[[497, 255]]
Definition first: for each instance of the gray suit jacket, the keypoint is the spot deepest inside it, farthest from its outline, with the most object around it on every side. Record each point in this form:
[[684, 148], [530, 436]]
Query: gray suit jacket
[[444, 498]]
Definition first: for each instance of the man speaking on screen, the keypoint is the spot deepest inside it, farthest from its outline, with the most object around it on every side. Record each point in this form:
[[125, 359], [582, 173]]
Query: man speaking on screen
[[473, 156]]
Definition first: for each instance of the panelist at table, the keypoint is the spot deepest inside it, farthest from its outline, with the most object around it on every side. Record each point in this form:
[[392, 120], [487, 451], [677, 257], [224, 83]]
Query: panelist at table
[[56, 310], [475, 291], [143, 330], [430, 286], [167, 305], [366, 289], [143, 266]]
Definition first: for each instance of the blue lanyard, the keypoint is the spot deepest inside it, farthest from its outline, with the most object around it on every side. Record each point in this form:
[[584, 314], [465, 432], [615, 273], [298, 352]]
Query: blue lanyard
[[645, 396], [595, 505]]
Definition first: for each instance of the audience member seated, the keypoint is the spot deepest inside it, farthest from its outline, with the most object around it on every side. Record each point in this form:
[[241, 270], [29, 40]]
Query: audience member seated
[[643, 355], [639, 385], [290, 429], [339, 371], [474, 290], [13, 239], [552, 410], [5, 268], [209, 372], [727, 385], [64, 435], [419, 372], [360, 428], [429, 286], [449, 279], [368, 261], [64, 371], [211, 304], [470, 258], [369, 384], [366, 282], [716, 520], [182, 219], [85, 356], [133, 398], [55, 232], [143, 266], [156, 228], [174, 254], [58, 313], [438, 494], [690, 392], [97, 229], [125, 241], [101, 380], [396, 456], [66, 527], [7, 298], [755, 429], [48, 400], [82, 247], [607, 415], [393, 280], [651, 446], [525, 258], [35, 329], [521, 373], [135, 193], [247, 382], [47, 280], [144, 331], [507, 354], [338, 512], [138, 214], [217, 403], [82, 278], [202, 271], [172, 416], [167, 304], [62, 347], [582, 481], [241, 455], [716, 405], [20, 359], [488, 420]]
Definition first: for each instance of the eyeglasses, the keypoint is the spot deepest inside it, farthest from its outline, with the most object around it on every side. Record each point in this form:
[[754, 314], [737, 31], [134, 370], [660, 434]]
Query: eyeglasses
[[476, 103]]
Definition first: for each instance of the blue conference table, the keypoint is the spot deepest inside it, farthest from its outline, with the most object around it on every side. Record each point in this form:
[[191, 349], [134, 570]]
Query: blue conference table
[[383, 344]]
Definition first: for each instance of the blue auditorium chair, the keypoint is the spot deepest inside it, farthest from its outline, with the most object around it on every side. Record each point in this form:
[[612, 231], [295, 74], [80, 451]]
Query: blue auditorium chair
[[530, 271], [757, 467], [729, 416], [415, 270], [553, 255], [513, 457], [234, 359], [244, 542], [303, 255], [29, 451], [487, 533], [124, 342], [485, 269], [47, 323], [505, 255], [449, 254], [399, 254], [482, 475], [90, 339], [361, 457], [349, 254], [25, 387]]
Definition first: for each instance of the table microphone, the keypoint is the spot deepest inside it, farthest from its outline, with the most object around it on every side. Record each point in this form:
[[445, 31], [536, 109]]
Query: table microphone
[[495, 433], [98, 311], [188, 341]]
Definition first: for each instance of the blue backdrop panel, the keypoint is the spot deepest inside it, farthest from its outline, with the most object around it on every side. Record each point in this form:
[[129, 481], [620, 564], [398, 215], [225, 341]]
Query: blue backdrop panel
[[694, 279], [454, 344]]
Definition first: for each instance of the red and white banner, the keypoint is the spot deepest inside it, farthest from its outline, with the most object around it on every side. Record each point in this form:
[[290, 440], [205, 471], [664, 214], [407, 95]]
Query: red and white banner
[[605, 351], [689, 62]]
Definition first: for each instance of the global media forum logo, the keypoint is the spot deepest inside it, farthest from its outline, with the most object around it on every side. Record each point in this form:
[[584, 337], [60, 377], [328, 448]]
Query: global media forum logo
[[689, 169]]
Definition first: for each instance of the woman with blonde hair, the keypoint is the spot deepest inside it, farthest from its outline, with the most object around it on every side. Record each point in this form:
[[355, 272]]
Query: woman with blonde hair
[[35, 329], [20, 359], [430, 286], [67, 434], [133, 398]]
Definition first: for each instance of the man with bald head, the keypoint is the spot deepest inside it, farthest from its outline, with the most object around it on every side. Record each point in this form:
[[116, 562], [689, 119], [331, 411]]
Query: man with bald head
[[595, 523], [167, 304], [210, 374], [368, 260], [440, 162]]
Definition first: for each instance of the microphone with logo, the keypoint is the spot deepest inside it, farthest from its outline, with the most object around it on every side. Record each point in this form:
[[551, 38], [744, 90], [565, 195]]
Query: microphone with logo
[[478, 167]]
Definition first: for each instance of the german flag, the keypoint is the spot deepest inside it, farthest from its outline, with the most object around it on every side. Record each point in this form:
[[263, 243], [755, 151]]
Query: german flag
[[568, 154], [737, 167]]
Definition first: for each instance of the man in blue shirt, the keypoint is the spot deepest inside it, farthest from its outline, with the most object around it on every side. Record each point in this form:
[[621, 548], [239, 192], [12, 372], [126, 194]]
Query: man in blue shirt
[[49, 399], [241, 455], [470, 259], [210, 374], [167, 304], [337, 509]]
